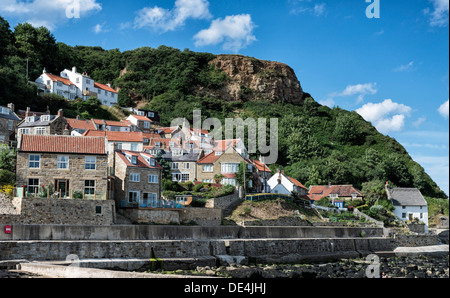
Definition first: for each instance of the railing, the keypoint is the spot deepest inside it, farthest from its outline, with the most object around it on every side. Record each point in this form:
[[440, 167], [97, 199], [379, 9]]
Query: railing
[[44, 193], [158, 204], [267, 196]]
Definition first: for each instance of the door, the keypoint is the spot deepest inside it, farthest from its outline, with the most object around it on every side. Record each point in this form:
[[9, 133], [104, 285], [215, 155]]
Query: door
[[411, 217], [62, 187]]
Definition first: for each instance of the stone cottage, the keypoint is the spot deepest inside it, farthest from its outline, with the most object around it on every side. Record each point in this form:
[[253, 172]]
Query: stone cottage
[[137, 179], [73, 167], [8, 124]]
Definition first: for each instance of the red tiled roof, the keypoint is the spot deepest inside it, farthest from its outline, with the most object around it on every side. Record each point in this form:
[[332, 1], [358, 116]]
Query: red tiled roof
[[296, 182], [210, 158], [80, 124], [63, 144], [55, 78], [116, 136], [142, 118], [141, 163], [260, 166], [167, 130], [104, 87], [317, 192], [223, 145]]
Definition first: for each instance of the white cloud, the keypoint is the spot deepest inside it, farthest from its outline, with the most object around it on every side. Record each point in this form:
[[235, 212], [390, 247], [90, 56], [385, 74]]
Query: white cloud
[[360, 89], [48, 13], [406, 67], [306, 6], [438, 16], [235, 32], [444, 109], [386, 116], [164, 20], [100, 28], [419, 122]]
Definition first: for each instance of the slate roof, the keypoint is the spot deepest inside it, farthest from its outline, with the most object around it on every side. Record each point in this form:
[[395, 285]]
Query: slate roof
[[38, 122], [186, 157], [62, 144], [10, 116], [407, 197]]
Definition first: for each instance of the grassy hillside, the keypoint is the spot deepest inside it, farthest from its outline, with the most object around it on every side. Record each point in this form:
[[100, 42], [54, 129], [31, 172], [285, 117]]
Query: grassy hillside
[[317, 144]]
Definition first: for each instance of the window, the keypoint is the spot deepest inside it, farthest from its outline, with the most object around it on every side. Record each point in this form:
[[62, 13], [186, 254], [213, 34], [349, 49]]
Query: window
[[98, 210], [134, 160], [403, 215], [230, 168], [89, 187], [152, 162], [134, 147], [421, 215], [134, 177], [146, 124], [59, 84], [119, 146], [63, 162], [60, 93], [40, 131], [174, 165], [153, 179], [185, 177], [151, 114], [90, 163], [229, 181], [187, 165], [24, 131], [45, 118], [33, 186], [88, 82], [10, 125], [207, 181], [34, 161], [208, 168], [133, 196], [403, 207], [4, 111]]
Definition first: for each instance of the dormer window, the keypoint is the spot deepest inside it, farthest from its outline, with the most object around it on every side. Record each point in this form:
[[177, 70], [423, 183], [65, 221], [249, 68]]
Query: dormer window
[[30, 119], [218, 153], [152, 162], [157, 144], [4, 111], [45, 118], [177, 152], [134, 160]]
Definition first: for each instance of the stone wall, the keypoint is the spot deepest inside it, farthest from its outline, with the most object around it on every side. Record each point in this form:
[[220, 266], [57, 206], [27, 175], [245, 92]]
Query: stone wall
[[61, 211], [76, 175], [196, 216], [416, 240]]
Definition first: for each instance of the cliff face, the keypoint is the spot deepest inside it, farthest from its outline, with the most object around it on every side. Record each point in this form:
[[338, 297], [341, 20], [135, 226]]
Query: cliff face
[[252, 79]]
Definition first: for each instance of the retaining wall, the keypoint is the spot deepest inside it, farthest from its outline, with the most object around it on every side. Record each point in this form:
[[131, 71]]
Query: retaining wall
[[283, 250], [157, 232]]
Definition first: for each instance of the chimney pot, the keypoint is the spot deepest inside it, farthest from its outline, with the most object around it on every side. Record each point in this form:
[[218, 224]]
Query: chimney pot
[[12, 107], [60, 113]]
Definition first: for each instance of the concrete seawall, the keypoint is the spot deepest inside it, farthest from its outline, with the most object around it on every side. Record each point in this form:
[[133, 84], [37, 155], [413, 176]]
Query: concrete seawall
[[142, 232], [260, 250]]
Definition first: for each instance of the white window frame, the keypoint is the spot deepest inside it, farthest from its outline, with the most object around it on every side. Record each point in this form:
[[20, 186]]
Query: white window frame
[[146, 125], [135, 177], [136, 196], [90, 188], [90, 161], [209, 168], [40, 131], [230, 168], [24, 131], [229, 181], [63, 162], [153, 179], [34, 162]]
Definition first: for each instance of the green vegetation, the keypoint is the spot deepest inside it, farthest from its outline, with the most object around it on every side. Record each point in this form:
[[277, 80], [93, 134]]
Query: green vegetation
[[317, 144]]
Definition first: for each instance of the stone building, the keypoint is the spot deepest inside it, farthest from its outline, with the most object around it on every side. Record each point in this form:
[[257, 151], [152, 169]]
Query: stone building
[[137, 179], [222, 164], [43, 125], [73, 167], [183, 165], [8, 124]]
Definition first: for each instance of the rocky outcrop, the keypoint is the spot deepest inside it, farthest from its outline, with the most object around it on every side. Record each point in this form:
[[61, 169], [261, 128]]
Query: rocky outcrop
[[252, 79]]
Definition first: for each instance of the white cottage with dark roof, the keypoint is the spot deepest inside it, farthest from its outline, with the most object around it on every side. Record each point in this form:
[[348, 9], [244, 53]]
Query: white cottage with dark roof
[[409, 204]]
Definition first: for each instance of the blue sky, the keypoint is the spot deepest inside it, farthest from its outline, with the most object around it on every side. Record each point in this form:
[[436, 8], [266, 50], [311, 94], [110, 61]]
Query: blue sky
[[393, 69]]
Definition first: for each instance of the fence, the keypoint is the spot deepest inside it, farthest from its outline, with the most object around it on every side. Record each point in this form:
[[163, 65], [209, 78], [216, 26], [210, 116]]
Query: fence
[[48, 193], [153, 204]]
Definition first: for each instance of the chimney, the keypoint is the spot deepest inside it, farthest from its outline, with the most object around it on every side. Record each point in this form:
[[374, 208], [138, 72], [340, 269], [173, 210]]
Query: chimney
[[27, 113], [12, 107], [60, 113], [74, 69], [66, 131], [78, 117], [279, 177], [387, 190]]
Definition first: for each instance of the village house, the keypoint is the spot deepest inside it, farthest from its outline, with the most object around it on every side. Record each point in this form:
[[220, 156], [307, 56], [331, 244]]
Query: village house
[[71, 85], [409, 204], [43, 125], [263, 174], [338, 194], [152, 115], [183, 165], [139, 123], [74, 167], [283, 184], [224, 165], [118, 140], [137, 179], [8, 124]]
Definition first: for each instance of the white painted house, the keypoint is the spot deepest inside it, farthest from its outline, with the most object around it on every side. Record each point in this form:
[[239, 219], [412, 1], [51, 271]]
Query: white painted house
[[71, 85], [282, 184], [409, 204]]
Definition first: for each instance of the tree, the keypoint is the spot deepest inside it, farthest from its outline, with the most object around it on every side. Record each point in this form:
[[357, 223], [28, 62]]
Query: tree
[[243, 168], [347, 130], [6, 37], [166, 172]]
